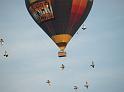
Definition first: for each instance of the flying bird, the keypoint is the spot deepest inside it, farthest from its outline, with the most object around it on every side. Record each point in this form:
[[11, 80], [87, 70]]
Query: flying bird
[[48, 82], [62, 66], [75, 87], [92, 65], [86, 85], [5, 54], [84, 27], [1, 41]]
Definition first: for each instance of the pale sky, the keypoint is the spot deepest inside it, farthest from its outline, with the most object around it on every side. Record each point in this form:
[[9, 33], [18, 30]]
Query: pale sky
[[33, 55]]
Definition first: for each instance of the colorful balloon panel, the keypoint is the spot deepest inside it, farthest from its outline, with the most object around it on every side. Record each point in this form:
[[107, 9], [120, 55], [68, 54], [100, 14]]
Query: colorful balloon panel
[[60, 19]]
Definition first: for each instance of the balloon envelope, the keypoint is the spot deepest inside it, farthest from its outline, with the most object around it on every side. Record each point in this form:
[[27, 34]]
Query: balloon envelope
[[60, 19]]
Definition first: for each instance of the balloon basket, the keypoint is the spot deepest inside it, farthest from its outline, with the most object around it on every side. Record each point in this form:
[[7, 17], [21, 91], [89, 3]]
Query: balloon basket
[[61, 54]]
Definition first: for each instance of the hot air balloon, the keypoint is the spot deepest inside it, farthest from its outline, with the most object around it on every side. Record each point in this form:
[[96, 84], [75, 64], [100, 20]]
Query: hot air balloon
[[59, 19]]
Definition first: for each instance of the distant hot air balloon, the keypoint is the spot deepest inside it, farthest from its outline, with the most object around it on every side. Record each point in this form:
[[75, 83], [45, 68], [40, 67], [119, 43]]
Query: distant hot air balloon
[[60, 19]]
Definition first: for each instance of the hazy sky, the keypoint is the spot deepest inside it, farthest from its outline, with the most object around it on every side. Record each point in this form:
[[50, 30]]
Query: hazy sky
[[33, 55]]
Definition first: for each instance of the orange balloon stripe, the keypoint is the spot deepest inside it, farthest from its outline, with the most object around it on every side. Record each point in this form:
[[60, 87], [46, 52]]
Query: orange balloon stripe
[[78, 8], [73, 11], [81, 9]]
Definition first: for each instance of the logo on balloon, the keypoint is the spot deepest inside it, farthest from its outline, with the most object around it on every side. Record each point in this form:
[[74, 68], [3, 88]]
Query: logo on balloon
[[41, 11]]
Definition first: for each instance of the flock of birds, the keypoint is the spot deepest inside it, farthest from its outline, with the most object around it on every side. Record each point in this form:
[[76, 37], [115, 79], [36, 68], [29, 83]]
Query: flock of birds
[[62, 67], [2, 43], [86, 85]]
